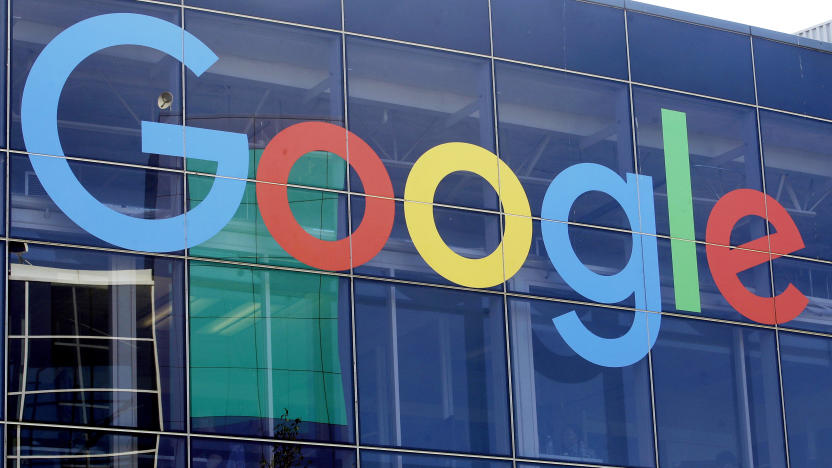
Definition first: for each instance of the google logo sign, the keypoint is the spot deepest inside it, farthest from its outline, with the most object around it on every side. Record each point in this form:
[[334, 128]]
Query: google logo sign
[[639, 278]]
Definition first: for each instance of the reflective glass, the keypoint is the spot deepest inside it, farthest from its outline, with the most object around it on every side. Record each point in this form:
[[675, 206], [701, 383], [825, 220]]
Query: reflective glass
[[461, 25], [712, 302], [797, 152], [405, 100], [107, 346], [213, 453], [561, 33], [689, 57], [431, 368], [110, 93], [723, 155], [470, 234], [324, 13], [603, 251], [57, 448], [806, 363], [140, 193], [549, 121], [270, 350], [377, 459], [268, 77], [246, 238], [813, 280], [717, 396], [793, 78], [567, 408]]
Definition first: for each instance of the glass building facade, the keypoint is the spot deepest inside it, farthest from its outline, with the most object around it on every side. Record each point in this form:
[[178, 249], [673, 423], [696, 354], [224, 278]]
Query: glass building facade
[[248, 349]]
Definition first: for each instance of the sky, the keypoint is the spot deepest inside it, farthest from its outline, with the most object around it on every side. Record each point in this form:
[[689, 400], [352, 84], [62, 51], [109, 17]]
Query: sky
[[787, 16]]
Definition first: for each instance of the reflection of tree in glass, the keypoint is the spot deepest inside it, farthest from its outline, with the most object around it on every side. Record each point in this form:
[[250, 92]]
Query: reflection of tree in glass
[[285, 455]]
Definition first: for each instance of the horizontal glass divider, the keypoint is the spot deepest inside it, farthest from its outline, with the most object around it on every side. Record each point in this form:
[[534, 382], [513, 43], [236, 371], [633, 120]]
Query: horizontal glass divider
[[71, 390], [82, 456], [78, 337]]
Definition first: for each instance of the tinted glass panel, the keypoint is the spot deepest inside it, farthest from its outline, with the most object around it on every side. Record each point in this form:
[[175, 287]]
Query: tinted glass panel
[[404, 101], [140, 193], [807, 368], [793, 78], [813, 280], [470, 234], [268, 77], [797, 152], [108, 94], [712, 301], [107, 345], [48, 448], [461, 25], [322, 215], [374, 459], [549, 121], [561, 33], [431, 368], [688, 57], [210, 453], [270, 350], [567, 408], [324, 13], [717, 395], [723, 156]]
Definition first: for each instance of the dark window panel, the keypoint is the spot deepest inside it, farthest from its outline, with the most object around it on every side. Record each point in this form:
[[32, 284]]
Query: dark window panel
[[689, 57], [723, 153], [141, 193], [431, 368], [562, 33], [813, 280], [209, 453], [796, 153], [806, 363], [569, 409], [268, 77], [793, 78], [461, 24], [378, 459], [112, 324], [549, 121], [323, 13], [269, 347], [404, 101], [717, 395], [109, 93]]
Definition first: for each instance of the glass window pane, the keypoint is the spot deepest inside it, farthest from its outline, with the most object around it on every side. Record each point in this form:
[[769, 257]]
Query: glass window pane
[[323, 13], [813, 280], [567, 408], [377, 459], [140, 193], [431, 368], [689, 57], [796, 152], [45, 447], [404, 101], [806, 363], [107, 346], [471, 234], [546, 126], [723, 155], [321, 214], [603, 251], [717, 395], [561, 33], [461, 24], [110, 93], [712, 302], [793, 78], [211, 453], [268, 77], [270, 351]]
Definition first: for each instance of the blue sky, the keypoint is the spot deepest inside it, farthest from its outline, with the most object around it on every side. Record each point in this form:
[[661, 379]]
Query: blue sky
[[780, 15]]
